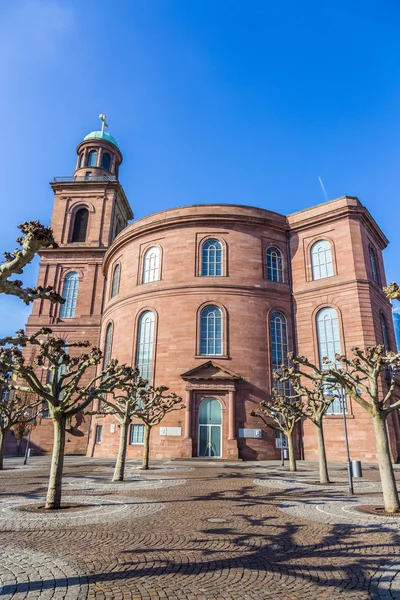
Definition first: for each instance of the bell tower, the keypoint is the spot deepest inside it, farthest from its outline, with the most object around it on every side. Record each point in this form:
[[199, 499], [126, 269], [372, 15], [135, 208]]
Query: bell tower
[[90, 209]]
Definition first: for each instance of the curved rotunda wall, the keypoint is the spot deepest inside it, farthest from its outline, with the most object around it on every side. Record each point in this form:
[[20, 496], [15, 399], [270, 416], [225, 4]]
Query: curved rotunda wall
[[243, 293]]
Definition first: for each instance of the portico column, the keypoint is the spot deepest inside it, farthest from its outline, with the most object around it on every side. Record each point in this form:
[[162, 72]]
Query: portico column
[[188, 414], [231, 416]]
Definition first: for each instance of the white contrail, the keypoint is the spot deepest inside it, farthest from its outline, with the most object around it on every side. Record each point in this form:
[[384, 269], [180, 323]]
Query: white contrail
[[323, 189]]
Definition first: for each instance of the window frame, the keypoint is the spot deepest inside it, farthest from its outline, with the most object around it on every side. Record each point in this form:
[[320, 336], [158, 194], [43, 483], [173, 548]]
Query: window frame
[[142, 269], [334, 409], [215, 263], [98, 438], [201, 239], [113, 292], [282, 271], [91, 152], [103, 154], [274, 365], [311, 255], [154, 341], [63, 307], [131, 434], [224, 331], [384, 331], [78, 209], [374, 264]]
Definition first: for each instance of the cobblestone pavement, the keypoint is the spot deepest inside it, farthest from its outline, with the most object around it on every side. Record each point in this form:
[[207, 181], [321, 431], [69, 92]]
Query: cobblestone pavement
[[218, 536]]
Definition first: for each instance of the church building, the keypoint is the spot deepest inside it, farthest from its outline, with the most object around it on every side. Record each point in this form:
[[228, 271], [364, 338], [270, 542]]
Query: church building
[[208, 299]]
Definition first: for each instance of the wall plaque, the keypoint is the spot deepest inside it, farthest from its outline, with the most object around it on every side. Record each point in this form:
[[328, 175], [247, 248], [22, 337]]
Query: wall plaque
[[171, 431], [250, 433]]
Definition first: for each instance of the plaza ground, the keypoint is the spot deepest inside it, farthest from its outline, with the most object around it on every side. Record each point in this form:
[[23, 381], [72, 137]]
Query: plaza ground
[[195, 530]]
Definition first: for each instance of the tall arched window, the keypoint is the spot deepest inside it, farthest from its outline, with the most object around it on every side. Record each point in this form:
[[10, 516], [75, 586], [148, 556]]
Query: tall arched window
[[328, 335], [211, 258], [211, 331], [108, 345], [106, 161], [274, 264], [70, 293], [374, 264], [115, 281], [80, 225], [145, 343], [151, 265], [321, 260], [279, 347], [92, 158], [385, 335]]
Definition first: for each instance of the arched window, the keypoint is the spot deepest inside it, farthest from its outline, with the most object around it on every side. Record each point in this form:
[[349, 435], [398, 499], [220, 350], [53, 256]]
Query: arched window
[[211, 331], [211, 258], [115, 281], [145, 343], [374, 264], [274, 264], [329, 345], [385, 335], [106, 161], [70, 293], [321, 260], [279, 347], [151, 265], [108, 345], [80, 225], [92, 158]]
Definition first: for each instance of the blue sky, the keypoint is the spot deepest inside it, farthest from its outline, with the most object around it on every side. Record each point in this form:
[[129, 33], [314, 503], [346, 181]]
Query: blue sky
[[234, 101]]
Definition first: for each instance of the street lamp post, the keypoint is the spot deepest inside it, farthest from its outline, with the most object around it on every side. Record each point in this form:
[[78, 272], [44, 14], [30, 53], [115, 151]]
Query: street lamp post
[[342, 400]]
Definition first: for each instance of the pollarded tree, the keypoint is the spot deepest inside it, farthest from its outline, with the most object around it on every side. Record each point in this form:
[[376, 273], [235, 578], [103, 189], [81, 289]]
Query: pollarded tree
[[393, 291], [316, 399], [122, 404], [35, 237], [151, 407], [14, 411], [285, 411], [362, 378], [62, 388]]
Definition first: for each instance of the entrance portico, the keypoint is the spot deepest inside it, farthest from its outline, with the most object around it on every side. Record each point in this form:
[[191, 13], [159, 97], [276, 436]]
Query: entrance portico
[[208, 386]]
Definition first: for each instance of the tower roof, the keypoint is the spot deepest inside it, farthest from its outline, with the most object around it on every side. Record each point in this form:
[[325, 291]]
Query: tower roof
[[103, 135]]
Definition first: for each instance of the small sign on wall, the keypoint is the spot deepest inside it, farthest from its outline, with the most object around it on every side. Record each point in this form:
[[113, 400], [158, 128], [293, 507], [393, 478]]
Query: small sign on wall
[[250, 433], [112, 428], [171, 431]]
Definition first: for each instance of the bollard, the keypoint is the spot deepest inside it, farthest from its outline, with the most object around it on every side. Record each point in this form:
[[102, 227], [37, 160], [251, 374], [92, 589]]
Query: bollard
[[356, 468]]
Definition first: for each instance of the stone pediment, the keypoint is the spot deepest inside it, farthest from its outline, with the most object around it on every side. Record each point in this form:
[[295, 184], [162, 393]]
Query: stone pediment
[[210, 371]]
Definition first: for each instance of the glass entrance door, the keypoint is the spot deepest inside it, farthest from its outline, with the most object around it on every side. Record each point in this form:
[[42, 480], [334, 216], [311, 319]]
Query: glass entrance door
[[210, 425]]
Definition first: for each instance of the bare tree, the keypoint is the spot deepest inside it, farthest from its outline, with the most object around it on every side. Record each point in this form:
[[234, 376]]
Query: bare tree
[[62, 389], [35, 237], [122, 403], [362, 379], [14, 411], [316, 397], [151, 408], [285, 411]]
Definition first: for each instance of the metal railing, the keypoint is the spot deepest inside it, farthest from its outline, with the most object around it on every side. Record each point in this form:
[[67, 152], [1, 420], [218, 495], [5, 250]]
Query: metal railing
[[80, 178]]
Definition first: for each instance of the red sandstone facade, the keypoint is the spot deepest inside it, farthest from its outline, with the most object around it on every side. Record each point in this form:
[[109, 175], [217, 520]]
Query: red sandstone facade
[[239, 374]]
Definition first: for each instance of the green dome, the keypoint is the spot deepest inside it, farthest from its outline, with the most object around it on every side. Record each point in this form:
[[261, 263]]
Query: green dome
[[101, 135]]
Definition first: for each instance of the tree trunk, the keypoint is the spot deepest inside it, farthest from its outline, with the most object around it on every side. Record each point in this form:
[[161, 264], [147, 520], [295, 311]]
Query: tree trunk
[[389, 488], [323, 465], [292, 457], [146, 448], [123, 443], [53, 499], [2, 444]]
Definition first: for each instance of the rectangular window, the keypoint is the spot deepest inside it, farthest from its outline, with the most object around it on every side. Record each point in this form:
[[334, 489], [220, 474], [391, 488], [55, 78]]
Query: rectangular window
[[336, 407], [137, 434], [99, 433], [280, 439]]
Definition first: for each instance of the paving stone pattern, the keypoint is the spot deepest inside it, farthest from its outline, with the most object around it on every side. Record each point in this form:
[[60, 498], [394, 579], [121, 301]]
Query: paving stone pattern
[[219, 537], [135, 483]]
